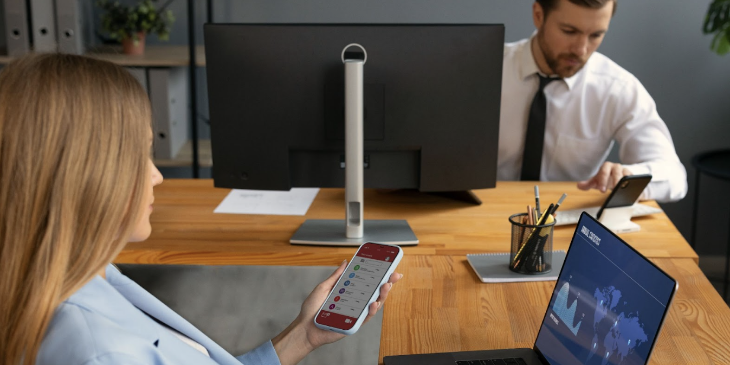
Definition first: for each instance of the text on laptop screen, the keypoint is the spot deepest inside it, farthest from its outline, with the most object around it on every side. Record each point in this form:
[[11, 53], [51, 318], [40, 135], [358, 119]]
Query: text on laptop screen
[[608, 303]]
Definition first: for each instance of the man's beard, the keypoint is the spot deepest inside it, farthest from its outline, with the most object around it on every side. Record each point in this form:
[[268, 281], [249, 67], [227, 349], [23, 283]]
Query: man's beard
[[554, 61]]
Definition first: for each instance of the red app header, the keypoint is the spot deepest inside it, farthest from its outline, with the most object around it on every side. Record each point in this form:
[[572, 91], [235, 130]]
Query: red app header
[[378, 252]]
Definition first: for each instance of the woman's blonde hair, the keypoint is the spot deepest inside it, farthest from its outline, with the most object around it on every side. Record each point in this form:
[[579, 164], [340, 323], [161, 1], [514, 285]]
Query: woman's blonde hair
[[74, 134]]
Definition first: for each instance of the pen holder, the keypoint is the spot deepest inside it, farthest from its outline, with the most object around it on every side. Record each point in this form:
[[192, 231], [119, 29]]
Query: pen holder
[[531, 251]]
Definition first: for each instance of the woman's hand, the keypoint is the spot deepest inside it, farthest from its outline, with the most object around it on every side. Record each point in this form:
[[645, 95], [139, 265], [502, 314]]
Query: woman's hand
[[302, 336]]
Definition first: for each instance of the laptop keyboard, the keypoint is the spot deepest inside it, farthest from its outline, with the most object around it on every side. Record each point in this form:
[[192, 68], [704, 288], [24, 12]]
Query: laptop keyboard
[[510, 361]]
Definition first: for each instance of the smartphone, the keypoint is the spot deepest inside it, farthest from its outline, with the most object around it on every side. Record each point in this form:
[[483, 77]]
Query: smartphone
[[359, 286], [626, 192]]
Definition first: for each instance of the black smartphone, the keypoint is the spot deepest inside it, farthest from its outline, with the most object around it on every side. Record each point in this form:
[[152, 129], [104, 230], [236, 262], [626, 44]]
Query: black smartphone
[[626, 192]]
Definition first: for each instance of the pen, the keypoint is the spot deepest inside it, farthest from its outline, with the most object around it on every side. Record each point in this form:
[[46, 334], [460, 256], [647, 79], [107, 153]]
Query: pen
[[560, 201], [531, 242], [549, 211], [532, 249], [537, 201]]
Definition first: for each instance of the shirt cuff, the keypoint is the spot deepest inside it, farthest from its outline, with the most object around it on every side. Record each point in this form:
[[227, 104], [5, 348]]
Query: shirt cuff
[[638, 169], [262, 355]]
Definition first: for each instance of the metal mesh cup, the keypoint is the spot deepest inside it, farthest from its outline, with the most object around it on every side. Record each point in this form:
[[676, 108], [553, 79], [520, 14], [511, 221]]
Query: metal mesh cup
[[531, 251]]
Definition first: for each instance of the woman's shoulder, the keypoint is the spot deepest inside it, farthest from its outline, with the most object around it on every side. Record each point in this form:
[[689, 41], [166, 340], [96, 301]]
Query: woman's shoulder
[[77, 335]]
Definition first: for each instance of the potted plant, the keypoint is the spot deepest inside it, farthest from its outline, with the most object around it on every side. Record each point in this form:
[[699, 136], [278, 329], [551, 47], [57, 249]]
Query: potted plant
[[130, 24], [717, 21]]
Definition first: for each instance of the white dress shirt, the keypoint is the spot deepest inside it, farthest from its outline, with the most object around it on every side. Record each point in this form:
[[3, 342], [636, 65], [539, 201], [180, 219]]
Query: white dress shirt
[[586, 113]]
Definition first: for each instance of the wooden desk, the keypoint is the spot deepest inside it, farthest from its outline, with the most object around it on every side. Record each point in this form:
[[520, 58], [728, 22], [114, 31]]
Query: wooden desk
[[186, 231], [441, 306]]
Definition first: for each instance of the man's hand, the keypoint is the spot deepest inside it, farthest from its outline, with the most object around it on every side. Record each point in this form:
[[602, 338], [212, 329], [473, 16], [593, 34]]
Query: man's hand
[[607, 177], [302, 336]]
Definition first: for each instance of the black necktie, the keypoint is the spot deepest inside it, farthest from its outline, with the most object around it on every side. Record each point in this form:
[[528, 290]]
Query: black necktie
[[532, 157]]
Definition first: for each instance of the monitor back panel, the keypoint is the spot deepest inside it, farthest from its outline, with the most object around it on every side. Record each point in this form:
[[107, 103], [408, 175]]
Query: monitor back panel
[[431, 95]]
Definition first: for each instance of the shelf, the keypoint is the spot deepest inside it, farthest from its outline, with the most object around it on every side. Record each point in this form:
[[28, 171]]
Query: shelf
[[185, 156], [154, 56]]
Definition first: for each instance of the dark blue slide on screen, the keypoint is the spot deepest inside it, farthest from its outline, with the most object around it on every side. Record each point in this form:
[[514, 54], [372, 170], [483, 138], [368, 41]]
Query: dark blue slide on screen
[[608, 303]]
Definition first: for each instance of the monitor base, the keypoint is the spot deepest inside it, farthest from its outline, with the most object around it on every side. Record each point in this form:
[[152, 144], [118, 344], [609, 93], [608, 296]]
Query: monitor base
[[331, 232], [465, 196]]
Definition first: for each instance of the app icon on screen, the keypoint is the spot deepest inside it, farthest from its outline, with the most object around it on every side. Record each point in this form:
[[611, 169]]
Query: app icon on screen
[[337, 298], [347, 282], [352, 275], [342, 290], [357, 267], [332, 306]]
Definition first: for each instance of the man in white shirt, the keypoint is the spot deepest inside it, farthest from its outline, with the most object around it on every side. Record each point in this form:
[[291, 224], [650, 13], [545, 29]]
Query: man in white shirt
[[592, 103]]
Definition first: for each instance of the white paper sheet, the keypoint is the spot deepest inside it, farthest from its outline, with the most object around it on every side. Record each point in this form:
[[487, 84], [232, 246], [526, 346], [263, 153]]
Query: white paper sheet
[[293, 202]]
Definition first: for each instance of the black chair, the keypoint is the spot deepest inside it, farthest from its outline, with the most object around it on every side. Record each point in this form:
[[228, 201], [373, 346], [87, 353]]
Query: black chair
[[715, 164]]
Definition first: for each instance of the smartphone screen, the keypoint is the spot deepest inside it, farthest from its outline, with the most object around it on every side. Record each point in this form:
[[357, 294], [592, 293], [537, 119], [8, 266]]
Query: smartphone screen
[[356, 286]]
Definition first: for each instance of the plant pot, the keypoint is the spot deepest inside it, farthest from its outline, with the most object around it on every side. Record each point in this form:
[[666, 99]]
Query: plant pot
[[130, 47]]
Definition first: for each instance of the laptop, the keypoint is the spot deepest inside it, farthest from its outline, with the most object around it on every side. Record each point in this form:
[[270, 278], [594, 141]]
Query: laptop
[[608, 306]]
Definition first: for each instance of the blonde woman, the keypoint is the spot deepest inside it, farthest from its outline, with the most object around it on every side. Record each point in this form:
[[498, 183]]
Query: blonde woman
[[76, 184]]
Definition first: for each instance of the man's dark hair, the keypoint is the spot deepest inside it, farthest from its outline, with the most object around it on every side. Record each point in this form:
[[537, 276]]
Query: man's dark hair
[[549, 5]]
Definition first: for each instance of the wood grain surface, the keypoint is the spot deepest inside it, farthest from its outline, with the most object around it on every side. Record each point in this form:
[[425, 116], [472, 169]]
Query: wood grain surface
[[441, 306], [186, 231]]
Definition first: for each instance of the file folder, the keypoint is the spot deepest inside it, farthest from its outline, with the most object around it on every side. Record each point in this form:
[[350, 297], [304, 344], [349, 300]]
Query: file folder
[[43, 23], [168, 95], [141, 75], [69, 26], [17, 34]]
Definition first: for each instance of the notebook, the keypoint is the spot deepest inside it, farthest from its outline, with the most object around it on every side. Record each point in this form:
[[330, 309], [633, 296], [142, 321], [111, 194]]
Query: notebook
[[607, 307], [492, 268]]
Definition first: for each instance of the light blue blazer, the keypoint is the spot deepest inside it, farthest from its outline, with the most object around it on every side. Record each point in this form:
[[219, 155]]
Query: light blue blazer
[[105, 323]]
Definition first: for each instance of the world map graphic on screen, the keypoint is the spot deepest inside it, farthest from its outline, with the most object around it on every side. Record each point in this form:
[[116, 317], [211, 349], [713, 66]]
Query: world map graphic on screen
[[619, 334]]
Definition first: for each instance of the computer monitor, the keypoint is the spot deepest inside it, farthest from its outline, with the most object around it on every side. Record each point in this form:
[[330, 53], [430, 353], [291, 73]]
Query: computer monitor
[[431, 104]]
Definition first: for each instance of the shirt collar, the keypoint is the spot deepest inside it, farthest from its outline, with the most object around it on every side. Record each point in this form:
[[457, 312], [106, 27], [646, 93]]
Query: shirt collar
[[528, 65], [99, 296], [149, 306]]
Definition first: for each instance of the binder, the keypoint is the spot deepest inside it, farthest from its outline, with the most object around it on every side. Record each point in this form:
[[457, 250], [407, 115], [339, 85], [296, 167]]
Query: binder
[[493, 268], [141, 75], [17, 34], [168, 95], [69, 26], [43, 22]]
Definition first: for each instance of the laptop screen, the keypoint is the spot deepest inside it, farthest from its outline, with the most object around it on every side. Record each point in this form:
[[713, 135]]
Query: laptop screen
[[608, 303]]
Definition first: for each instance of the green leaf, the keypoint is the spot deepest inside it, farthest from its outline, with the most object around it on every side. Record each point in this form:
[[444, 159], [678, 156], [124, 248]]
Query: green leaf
[[123, 21], [723, 45], [717, 22]]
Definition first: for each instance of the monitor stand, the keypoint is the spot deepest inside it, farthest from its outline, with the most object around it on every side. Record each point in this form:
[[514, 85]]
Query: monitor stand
[[331, 232], [353, 230], [618, 220]]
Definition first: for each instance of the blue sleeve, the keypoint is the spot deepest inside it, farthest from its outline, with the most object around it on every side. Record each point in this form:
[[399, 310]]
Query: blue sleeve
[[262, 355]]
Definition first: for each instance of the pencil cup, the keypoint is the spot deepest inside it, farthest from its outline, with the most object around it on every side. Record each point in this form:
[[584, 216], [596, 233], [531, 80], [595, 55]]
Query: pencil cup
[[531, 251]]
